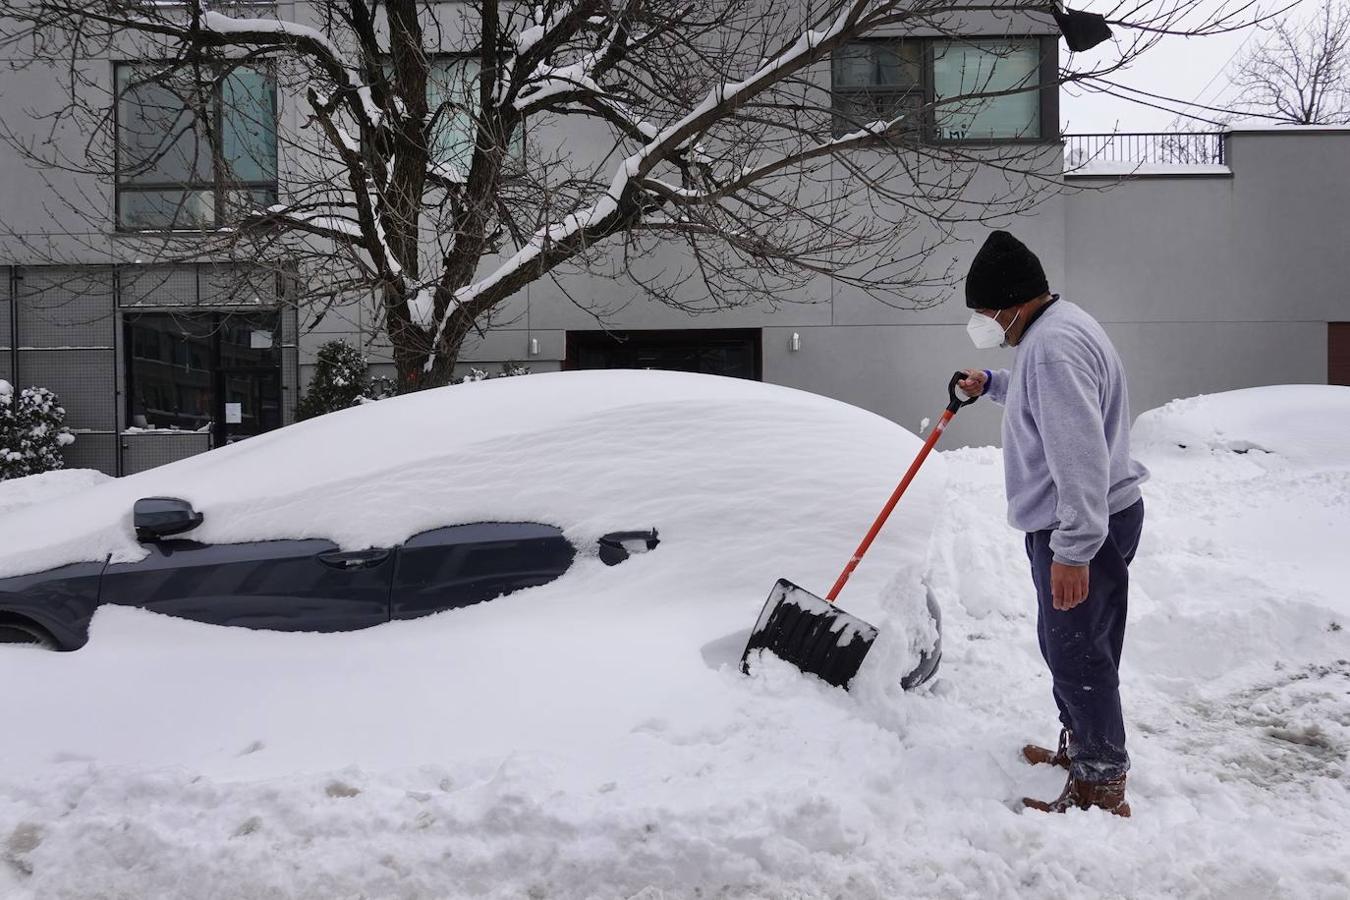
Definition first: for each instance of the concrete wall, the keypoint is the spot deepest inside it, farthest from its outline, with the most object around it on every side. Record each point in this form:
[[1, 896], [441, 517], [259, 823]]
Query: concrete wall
[[1210, 283], [1204, 284]]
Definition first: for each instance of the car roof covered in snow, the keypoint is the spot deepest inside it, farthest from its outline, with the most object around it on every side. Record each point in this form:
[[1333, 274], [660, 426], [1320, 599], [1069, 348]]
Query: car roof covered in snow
[[587, 451], [1299, 422]]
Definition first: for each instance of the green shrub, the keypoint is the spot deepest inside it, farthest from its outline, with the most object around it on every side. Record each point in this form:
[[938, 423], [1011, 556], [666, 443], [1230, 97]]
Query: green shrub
[[341, 380]]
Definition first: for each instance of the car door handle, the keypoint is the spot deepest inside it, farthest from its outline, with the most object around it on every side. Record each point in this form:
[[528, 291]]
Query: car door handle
[[356, 559]]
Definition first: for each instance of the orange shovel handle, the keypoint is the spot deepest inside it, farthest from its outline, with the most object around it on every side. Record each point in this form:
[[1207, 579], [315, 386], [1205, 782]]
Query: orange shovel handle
[[872, 532]]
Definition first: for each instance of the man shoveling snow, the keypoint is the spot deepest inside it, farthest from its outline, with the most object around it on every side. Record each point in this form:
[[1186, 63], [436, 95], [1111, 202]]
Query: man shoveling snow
[[1073, 488]]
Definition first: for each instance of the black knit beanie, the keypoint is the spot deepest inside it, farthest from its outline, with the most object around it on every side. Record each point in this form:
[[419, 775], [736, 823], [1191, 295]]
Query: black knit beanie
[[1004, 273]]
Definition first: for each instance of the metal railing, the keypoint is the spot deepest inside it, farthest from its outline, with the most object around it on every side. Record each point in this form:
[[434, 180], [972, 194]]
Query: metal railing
[[1152, 148]]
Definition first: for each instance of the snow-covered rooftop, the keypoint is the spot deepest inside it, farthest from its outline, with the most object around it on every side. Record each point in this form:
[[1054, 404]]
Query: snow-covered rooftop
[[1105, 169], [1267, 126]]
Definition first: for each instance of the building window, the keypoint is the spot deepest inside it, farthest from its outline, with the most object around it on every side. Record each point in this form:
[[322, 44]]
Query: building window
[[964, 68], [881, 79], [452, 89], [211, 372], [194, 156], [452, 98], [876, 81]]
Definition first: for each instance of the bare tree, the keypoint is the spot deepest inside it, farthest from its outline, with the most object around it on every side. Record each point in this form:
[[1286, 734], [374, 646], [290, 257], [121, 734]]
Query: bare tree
[[444, 156], [1300, 72]]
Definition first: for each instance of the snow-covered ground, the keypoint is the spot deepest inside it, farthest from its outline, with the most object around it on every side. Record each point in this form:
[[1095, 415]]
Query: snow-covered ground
[[591, 738], [48, 487]]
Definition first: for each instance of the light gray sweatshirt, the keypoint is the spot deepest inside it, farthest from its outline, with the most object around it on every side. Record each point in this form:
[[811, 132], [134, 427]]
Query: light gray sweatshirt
[[1066, 433]]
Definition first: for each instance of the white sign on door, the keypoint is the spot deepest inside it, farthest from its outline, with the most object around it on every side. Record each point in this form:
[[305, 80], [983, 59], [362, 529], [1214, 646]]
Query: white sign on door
[[234, 413]]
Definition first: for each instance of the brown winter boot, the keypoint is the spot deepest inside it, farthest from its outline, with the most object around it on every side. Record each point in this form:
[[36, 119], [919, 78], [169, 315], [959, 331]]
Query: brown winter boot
[[1107, 795], [1044, 756]]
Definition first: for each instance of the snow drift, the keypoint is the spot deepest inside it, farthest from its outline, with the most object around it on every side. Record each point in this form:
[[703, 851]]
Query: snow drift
[[726, 469], [592, 739], [1305, 423], [47, 487]]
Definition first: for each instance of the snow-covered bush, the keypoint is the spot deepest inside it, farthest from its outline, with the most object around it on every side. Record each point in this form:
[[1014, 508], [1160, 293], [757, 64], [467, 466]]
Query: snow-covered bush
[[508, 370], [32, 432], [382, 387], [341, 380]]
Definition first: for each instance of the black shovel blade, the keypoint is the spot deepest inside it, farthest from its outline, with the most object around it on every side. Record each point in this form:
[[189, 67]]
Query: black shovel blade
[[811, 633]]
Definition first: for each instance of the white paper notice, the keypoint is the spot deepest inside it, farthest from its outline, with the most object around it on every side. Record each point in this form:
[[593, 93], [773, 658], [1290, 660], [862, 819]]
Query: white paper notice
[[260, 340], [234, 413]]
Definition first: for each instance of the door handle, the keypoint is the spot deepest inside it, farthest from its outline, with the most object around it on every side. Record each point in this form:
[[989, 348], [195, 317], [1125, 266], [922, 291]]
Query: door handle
[[356, 559]]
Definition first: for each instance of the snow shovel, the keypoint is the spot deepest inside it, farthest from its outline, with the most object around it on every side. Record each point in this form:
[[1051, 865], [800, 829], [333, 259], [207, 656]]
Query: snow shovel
[[815, 635]]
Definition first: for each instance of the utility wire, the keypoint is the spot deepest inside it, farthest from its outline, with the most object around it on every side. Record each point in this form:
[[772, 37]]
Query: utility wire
[[1179, 114], [1220, 71], [1139, 102]]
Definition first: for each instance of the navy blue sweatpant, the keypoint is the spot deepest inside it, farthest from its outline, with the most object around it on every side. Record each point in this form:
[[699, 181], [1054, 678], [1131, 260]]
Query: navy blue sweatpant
[[1082, 647]]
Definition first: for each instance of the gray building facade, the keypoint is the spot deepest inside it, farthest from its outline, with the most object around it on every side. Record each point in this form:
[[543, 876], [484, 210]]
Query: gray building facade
[[1208, 277]]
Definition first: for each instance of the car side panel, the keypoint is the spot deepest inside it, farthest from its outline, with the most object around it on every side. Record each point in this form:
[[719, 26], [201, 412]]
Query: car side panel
[[462, 565], [279, 585], [61, 600]]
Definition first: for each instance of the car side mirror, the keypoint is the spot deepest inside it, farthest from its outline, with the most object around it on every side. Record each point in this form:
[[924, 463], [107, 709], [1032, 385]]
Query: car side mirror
[[617, 546], [159, 517]]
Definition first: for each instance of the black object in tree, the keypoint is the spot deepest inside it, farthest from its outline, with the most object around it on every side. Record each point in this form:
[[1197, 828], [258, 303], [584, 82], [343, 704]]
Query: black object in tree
[[1081, 30]]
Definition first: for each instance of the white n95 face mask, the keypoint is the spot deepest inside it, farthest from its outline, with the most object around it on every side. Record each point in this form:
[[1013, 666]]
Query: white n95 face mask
[[986, 334]]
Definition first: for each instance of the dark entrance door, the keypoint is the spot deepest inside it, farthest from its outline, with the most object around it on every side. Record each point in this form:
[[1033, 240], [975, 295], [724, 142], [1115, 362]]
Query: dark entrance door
[[1338, 353], [205, 371], [731, 352], [248, 380], [252, 399]]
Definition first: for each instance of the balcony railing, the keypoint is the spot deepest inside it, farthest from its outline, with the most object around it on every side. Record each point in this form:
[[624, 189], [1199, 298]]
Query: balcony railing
[[1204, 148]]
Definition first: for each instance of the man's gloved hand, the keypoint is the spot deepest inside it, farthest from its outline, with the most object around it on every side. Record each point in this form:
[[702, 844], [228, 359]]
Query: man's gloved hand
[[974, 383], [1068, 585]]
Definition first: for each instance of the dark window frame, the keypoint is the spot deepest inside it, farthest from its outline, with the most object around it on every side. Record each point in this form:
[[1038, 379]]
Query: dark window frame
[[219, 186], [1048, 89]]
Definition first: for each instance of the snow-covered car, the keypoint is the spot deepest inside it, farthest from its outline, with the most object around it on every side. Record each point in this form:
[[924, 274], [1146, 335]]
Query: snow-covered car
[[448, 498]]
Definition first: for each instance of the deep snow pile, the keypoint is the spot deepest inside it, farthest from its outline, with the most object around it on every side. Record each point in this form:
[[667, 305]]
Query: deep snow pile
[[591, 738], [48, 487]]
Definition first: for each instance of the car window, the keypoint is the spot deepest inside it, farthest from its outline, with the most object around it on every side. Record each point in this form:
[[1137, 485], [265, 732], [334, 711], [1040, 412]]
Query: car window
[[460, 565]]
